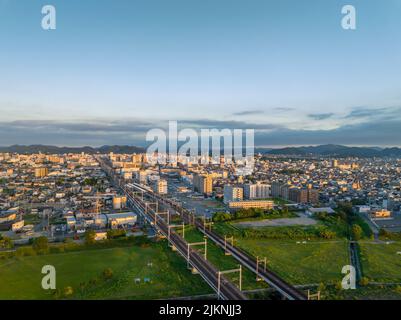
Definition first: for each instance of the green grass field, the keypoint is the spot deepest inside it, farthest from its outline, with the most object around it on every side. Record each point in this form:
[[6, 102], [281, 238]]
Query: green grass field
[[82, 270], [313, 262], [380, 262]]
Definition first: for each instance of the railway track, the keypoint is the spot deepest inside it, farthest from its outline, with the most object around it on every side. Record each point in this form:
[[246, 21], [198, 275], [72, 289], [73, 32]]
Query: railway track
[[286, 289], [207, 271], [226, 289]]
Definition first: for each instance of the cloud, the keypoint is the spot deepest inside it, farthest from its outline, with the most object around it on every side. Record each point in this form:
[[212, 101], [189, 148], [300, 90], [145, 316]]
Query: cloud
[[227, 124], [101, 132], [247, 113], [320, 116], [384, 133], [362, 112], [133, 131], [93, 133], [284, 109]]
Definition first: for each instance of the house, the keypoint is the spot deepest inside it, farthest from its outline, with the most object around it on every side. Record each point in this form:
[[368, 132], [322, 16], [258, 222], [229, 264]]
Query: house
[[121, 219], [101, 235], [16, 226], [380, 214]]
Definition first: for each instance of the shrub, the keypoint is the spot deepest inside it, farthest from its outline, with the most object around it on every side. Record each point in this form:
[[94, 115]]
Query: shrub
[[40, 245], [107, 273], [364, 281], [356, 232], [321, 287], [68, 291], [5, 243], [116, 233], [25, 251], [338, 285], [90, 236]]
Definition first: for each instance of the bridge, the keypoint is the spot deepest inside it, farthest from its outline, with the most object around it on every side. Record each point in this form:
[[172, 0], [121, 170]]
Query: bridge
[[142, 197], [224, 288]]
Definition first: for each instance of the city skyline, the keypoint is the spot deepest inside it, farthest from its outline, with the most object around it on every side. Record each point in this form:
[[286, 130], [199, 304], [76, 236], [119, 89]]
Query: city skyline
[[290, 72]]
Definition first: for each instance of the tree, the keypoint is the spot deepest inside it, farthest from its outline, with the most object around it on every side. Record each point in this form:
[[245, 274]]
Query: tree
[[90, 182], [5, 242], [90, 236], [116, 233], [327, 234], [41, 244], [356, 232]]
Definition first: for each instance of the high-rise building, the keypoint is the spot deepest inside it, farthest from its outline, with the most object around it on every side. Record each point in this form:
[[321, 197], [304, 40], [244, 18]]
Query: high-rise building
[[256, 191], [203, 184], [233, 193], [298, 195], [142, 176], [250, 191], [160, 186], [284, 191], [41, 172], [119, 202], [313, 196], [276, 189]]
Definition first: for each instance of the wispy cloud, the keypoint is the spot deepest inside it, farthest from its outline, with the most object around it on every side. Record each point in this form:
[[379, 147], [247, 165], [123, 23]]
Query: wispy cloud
[[247, 113], [284, 109], [385, 133], [222, 124], [320, 116], [362, 112]]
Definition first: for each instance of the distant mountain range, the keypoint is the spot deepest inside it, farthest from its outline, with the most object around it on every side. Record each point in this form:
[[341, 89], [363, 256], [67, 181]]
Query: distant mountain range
[[329, 150], [335, 150], [60, 150]]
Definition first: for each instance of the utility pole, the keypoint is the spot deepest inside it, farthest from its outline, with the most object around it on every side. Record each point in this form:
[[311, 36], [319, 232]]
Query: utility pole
[[204, 243], [219, 273], [226, 252], [313, 296], [207, 224], [264, 261], [175, 226]]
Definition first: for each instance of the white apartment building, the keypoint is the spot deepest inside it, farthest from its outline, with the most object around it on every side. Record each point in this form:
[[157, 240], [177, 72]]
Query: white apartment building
[[257, 191], [232, 193]]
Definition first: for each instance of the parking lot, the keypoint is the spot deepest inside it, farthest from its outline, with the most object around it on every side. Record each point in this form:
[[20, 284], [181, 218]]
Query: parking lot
[[392, 225]]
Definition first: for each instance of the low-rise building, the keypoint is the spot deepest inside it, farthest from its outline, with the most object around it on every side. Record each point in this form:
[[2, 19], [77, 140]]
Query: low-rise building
[[248, 204]]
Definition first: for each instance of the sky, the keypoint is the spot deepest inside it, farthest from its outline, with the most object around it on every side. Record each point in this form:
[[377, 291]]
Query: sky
[[113, 69]]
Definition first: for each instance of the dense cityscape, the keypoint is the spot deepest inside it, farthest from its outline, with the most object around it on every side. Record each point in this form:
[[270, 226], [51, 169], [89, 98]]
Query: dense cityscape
[[345, 207]]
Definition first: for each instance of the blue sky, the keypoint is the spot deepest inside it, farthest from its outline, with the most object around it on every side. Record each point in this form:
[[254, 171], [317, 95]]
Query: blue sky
[[113, 69]]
